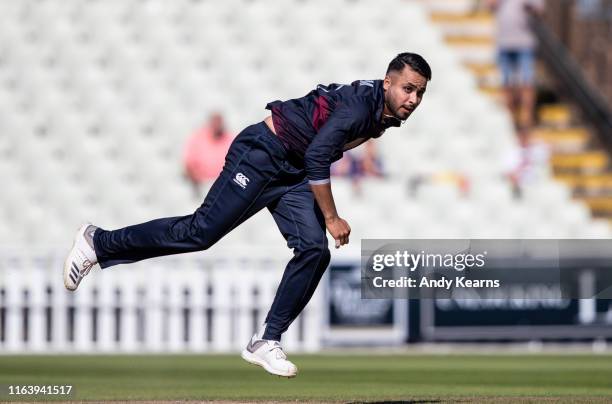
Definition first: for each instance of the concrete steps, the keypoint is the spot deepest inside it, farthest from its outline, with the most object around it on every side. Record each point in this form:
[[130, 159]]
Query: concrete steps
[[471, 33], [599, 184], [555, 115], [601, 206], [576, 160], [561, 131], [588, 162], [563, 140]]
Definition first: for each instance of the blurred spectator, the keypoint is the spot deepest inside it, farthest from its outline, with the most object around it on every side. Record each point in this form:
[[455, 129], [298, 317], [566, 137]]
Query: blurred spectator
[[359, 163], [527, 164], [516, 45], [205, 153]]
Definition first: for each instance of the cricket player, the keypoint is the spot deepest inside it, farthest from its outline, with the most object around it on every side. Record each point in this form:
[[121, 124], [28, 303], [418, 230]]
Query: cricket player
[[282, 164]]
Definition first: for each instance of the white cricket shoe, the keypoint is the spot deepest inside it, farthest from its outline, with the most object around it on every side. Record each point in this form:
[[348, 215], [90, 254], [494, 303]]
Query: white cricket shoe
[[269, 355], [81, 258]]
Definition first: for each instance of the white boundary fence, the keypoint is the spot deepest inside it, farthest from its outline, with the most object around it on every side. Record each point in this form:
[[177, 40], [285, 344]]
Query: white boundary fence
[[194, 303]]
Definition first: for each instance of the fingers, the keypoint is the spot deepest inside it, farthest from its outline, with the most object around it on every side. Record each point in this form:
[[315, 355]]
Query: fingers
[[342, 239], [345, 239], [341, 232], [348, 233]]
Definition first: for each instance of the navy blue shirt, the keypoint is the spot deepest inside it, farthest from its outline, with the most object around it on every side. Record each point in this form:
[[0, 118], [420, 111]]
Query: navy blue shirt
[[316, 129]]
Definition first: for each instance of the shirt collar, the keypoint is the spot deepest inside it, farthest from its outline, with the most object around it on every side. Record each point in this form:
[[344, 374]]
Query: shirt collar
[[384, 121]]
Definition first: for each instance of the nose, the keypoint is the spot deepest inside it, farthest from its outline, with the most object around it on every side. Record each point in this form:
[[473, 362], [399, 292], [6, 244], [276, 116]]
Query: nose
[[413, 99]]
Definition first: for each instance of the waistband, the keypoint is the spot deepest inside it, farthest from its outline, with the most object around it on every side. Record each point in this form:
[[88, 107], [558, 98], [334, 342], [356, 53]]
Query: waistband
[[271, 138]]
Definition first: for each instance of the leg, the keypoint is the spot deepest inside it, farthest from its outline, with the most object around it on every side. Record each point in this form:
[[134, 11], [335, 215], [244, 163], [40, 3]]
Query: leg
[[527, 91], [250, 166], [506, 60], [301, 222]]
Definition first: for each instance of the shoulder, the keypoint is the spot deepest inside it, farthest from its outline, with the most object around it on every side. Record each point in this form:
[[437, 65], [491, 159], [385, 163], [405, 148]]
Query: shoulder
[[366, 96], [360, 107], [353, 113], [356, 100]]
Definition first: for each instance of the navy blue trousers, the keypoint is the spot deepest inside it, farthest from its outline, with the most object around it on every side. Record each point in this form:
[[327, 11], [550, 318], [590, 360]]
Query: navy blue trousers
[[257, 174]]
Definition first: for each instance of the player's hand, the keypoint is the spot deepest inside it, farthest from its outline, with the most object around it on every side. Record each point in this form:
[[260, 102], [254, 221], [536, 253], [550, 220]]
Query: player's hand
[[339, 229]]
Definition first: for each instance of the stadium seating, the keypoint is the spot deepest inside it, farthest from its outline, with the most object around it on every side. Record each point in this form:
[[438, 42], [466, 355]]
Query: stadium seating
[[97, 98]]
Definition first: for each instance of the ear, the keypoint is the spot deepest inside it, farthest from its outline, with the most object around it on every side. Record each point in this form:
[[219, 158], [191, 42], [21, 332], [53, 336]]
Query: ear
[[387, 82]]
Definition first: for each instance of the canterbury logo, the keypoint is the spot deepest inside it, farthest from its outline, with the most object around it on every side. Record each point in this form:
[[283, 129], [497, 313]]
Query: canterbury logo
[[241, 180]]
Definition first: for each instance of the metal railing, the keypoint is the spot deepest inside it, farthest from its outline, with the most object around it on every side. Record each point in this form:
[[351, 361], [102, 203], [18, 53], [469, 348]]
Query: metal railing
[[581, 88]]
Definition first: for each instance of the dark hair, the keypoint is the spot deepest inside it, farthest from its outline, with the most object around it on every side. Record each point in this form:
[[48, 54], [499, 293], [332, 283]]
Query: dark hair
[[414, 61]]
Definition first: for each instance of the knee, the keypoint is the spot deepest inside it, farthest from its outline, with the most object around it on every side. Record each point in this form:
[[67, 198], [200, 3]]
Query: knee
[[204, 243], [200, 236], [325, 257], [197, 240], [204, 239], [318, 249]]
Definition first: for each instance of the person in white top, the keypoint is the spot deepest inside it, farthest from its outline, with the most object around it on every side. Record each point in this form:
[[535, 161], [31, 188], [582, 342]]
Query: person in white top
[[516, 44]]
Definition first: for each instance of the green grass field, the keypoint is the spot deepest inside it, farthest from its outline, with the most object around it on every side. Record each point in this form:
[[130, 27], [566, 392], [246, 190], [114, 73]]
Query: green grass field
[[340, 378]]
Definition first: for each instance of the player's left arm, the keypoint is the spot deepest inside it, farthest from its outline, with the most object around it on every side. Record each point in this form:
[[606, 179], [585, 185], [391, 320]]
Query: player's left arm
[[327, 144]]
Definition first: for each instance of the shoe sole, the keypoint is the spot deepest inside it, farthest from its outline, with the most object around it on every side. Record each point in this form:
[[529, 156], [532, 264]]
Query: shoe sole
[[254, 360], [68, 261]]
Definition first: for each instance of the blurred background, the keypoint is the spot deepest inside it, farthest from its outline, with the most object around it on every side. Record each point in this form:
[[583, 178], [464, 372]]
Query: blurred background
[[120, 111]]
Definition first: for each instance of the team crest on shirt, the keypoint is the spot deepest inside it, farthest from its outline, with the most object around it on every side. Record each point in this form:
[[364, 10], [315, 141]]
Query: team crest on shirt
[[241, 180]]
